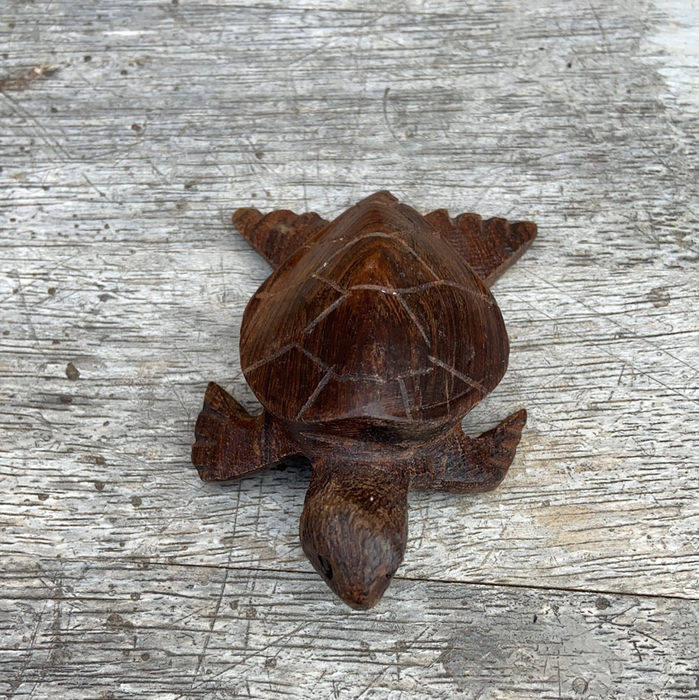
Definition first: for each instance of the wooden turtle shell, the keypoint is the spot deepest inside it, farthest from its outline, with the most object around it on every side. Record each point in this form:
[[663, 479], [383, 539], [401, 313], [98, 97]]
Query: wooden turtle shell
[[375, 318], [371, 340]]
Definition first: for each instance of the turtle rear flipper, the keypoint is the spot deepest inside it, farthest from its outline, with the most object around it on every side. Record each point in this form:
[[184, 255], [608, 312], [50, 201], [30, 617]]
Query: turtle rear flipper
[[278, 234], [471, 465], [231, 443], [489, 246]]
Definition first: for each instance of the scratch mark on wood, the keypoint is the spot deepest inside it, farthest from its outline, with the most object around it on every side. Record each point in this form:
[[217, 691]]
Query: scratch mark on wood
[[387, 120], [24, 81]]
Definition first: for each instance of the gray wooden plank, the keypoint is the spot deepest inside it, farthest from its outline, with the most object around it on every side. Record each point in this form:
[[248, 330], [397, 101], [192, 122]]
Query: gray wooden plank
[[148, 309], [130, 132], [125, 630]]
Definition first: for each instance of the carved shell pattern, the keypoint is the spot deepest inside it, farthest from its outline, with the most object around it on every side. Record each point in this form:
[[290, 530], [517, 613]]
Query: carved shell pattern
[[380, 318]]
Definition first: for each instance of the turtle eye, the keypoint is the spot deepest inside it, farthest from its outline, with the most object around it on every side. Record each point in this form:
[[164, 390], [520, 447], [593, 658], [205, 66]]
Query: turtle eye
[[326, 566]]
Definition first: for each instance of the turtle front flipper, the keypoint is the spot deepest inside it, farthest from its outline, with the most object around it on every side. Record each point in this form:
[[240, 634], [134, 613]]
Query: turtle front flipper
[[231, 443], [489, 246], [470, 465], [278, 234]]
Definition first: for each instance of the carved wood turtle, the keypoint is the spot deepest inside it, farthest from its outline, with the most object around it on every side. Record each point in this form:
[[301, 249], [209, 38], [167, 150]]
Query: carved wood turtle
[[368, 344]]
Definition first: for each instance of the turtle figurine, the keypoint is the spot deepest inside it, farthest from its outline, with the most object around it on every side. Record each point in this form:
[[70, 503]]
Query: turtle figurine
[[371, 340]]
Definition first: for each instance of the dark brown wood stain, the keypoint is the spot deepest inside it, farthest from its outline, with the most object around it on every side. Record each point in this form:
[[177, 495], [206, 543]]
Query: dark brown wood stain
[[368, 344]]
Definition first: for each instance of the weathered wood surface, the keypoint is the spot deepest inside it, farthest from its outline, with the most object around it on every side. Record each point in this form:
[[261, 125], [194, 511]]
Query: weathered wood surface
[[204, 632], [130, 131]]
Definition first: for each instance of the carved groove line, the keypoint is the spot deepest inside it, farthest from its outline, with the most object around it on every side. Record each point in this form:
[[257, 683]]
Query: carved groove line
[[393, 237], [331, 374], [314, 358], [406, 399], [459, 375], [368, 377], [415, 320], [321, 385], [362, 377], [380, 288], [354, 240], [421, 287], [325, 313], [277, 353], [330, 283]]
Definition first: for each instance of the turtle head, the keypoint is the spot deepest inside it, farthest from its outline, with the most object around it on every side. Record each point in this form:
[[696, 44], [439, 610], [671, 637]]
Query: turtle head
[[354, 528]]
